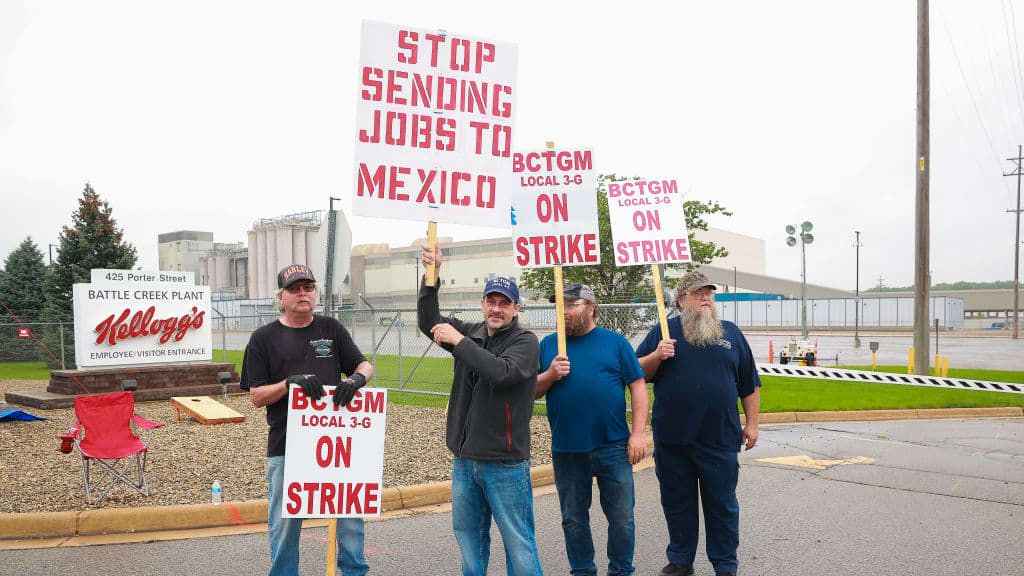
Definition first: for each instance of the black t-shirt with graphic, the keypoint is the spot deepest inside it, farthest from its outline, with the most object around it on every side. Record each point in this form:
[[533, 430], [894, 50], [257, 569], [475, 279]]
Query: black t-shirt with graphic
[[276, 352]]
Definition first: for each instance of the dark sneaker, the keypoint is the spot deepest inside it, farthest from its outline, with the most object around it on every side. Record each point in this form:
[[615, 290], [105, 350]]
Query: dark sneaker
[[725, 574], [676, 570]]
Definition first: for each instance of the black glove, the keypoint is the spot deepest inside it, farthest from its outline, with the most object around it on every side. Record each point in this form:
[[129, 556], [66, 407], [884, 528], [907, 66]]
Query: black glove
[[310, 385], [346, 389]]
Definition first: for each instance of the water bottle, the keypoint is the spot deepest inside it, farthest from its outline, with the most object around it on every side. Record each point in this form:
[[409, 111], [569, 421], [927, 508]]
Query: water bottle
[[215, 492]]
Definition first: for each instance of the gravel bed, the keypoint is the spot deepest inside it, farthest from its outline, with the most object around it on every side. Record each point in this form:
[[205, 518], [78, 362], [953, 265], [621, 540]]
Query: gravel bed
[[185, 456]]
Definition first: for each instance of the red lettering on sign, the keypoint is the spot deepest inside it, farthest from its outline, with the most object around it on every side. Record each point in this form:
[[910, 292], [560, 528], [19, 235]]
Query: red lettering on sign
[[483, 188], [336, 452], [649, 251], [142, 324], [294, 498], [552, 206], [557, 250], [576, 161]]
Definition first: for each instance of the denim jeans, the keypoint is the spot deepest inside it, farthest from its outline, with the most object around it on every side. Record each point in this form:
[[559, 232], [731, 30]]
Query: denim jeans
[[683, 473], [285, 532], [502, 489], [574, 473]]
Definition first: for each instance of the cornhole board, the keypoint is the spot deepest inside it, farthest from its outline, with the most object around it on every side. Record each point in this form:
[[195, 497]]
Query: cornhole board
[[205, 410]]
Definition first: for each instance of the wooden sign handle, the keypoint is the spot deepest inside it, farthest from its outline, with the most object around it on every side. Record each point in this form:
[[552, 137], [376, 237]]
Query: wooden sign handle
[[560, 309], [432, 242], [659, 294], [332, 547]]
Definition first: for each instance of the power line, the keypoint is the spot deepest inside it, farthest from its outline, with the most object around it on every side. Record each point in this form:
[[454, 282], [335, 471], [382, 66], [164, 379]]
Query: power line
[[974, 102]]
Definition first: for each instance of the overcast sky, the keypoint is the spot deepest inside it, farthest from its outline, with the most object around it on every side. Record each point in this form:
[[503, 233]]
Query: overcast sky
[[209, 115]]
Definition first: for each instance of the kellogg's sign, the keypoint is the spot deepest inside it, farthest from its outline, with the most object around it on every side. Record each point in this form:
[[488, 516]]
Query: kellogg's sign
[[136, 320]]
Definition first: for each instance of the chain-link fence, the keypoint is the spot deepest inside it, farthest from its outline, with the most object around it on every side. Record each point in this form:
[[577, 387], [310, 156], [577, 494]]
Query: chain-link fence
[[406, 359], [32, 341]]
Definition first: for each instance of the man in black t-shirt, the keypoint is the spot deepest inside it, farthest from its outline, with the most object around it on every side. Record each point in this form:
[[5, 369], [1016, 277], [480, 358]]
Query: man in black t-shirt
[[310, 351]]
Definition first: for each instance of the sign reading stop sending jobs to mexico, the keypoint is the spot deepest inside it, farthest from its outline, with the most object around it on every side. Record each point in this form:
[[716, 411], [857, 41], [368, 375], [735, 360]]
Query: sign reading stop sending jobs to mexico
[[334, 464], [554, 209], [434, 126], [133, 317], [648, 222]]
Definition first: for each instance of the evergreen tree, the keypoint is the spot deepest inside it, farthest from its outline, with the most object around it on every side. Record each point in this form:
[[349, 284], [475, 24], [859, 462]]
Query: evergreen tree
[[622, 284], [20, 285], [92, 241]]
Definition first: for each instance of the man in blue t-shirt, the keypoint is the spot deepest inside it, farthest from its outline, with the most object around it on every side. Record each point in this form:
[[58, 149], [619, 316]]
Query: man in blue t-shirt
[[589, 436], [698, 374]]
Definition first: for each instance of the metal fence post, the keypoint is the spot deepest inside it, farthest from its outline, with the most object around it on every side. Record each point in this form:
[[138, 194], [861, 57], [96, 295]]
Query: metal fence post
[[401, 372], [60, 328]]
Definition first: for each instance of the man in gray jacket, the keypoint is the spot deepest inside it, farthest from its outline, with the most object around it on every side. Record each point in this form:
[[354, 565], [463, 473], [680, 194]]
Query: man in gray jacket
[[488, 428]]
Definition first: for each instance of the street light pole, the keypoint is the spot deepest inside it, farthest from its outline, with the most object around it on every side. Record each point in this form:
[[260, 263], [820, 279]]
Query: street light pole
[[856, 299], [805, 238]]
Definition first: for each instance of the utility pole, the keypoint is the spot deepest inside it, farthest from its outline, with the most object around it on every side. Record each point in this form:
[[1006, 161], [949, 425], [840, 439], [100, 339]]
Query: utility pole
[[1016, 244], [856, 299], [921, 226], [328, 290]]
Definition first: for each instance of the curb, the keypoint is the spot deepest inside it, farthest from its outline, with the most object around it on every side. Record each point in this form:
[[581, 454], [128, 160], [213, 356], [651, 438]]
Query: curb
[[25, 530]]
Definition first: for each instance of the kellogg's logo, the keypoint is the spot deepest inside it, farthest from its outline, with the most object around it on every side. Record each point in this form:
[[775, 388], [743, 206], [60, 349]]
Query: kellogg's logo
[[142, 324]]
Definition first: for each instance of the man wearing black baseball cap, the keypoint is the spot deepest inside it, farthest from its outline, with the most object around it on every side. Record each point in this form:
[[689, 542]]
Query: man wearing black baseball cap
[[310, 351], [488, 428]]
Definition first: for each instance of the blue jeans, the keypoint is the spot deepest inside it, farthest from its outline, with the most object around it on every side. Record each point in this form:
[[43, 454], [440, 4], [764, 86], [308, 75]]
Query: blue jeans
[[683, 473], [481, 489], [574, 473], [285, 532]]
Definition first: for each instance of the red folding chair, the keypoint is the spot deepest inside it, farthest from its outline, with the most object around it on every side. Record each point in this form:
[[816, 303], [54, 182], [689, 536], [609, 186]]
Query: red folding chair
[[109, 443]]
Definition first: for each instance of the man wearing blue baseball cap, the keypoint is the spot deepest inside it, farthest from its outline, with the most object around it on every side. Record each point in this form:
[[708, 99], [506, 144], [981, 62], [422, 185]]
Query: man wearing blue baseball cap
[[488, 428]]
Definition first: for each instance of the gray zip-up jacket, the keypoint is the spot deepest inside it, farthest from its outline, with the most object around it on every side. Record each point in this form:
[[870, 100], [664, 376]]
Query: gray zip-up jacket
[[492, 392]]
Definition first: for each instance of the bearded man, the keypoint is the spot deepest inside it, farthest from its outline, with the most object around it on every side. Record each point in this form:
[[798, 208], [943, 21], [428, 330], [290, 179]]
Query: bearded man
[[698, 374], [589, 435]]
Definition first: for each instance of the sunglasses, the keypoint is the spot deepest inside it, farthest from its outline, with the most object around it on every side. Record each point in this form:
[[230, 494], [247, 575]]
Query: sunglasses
[[296, 288]]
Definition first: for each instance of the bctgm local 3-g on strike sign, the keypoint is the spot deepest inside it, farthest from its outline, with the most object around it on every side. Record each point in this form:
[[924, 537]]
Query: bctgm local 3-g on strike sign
[[554, 209], [434, 126], [648, 222], [334, 455], [129, 317]]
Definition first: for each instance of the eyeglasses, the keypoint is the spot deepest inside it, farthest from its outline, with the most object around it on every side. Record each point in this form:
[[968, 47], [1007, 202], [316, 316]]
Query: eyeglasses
[[576, 303], [703, 294], [296, 288]]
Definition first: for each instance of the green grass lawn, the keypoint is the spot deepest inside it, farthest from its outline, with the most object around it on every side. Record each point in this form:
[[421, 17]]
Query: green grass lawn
[[779, 394]]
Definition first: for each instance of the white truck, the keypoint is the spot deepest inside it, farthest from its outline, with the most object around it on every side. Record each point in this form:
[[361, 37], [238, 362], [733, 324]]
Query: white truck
[[797, 351]]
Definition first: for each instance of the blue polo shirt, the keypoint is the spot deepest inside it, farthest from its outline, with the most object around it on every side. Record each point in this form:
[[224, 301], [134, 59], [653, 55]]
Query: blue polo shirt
[[695, 391], [587, 408]]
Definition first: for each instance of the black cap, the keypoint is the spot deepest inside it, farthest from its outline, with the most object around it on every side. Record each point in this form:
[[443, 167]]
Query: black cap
[[291, 274]]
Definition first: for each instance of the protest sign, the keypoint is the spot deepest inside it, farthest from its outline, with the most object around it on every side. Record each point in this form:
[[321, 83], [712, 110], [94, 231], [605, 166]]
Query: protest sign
[[334, 464], [648, 222], [554, 209], [649, 227], [434, 126]]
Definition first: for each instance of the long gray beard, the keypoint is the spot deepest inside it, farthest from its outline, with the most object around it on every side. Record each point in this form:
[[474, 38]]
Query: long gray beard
[[701, 330]]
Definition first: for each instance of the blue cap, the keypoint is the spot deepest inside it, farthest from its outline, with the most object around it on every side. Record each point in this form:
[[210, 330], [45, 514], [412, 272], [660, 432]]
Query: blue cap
[[504, 286]]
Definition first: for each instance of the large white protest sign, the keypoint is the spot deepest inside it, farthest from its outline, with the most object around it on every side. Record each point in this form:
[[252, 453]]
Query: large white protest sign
[[648, 222], [434, 126], [334, 455], [554, 209], [129, 318]]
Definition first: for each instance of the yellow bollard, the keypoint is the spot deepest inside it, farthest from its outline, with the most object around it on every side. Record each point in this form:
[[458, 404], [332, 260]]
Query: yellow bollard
[[938, 365], [945, 367], [874, 363], [910, 360]]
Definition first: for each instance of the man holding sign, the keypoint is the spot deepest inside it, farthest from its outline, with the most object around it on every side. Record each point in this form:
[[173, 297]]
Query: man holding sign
[[589, 435], [310, 351], [698, 373], [488, 427]]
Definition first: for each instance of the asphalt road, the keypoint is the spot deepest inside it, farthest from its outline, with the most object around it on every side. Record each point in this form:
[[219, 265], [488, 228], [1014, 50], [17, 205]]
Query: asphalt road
[[911, 498]]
